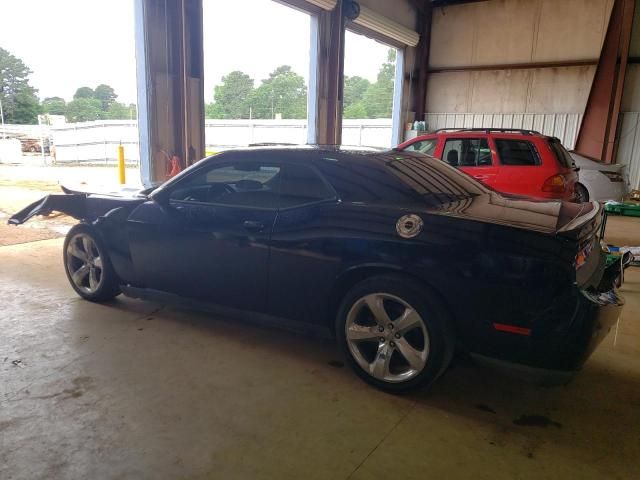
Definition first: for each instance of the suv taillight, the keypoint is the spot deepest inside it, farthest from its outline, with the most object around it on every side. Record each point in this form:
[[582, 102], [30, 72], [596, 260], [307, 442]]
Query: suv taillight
[[555, 184]]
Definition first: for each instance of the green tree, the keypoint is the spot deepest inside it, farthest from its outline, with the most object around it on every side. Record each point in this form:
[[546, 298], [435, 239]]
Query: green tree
[[378, 98], [84, 92], [54, 106], [213, 110], [231, 98], [354, 88], [19, 101], [284, 92], [84, 109], [355, 110], [133, 111], [105, 94], [118, 111]]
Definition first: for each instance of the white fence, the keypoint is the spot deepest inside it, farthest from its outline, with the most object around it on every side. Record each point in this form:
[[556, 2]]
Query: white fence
[[561, 125], [96, 142]]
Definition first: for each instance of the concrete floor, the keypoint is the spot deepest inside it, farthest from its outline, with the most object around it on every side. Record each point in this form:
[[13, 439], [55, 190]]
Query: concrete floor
[[136, 390]]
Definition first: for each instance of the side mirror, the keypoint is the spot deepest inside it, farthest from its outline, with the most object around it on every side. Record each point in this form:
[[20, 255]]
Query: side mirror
[[161, 196]]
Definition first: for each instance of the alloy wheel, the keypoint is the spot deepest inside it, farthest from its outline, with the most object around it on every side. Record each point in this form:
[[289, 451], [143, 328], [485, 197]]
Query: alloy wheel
[[84, 263], [387, 337]]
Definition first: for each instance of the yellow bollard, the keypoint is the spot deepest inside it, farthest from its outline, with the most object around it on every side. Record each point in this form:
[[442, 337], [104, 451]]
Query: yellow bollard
[[121, 171]]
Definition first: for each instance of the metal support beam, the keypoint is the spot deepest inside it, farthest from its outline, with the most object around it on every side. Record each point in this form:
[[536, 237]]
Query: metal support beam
[[420, 74], [597, 135], [330, 69], [515, 66], [169, 57]]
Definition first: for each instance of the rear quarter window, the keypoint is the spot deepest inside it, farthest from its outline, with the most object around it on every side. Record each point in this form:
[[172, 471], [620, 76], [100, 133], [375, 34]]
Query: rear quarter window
[[517, 152], [564, 158]]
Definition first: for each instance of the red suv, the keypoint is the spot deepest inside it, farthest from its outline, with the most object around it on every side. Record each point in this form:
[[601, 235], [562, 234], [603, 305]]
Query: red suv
[[521, 162]]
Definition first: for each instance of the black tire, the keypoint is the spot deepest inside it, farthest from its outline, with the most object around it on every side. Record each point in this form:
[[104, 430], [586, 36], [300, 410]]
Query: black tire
[[582, 194], [439, 341], [96, 265]]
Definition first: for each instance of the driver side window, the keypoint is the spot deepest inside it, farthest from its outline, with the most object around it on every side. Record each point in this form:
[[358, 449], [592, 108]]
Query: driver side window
[[241, 184]]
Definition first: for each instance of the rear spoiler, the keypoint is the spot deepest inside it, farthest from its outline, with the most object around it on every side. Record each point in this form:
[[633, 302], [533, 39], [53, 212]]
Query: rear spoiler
[[584, 225]]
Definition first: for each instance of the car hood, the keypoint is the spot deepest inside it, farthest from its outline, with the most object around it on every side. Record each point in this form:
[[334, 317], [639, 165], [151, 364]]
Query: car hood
[[82, 206]]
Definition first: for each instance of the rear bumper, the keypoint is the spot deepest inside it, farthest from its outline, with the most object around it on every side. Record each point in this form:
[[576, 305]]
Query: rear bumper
[[597, 315], [555, 355]]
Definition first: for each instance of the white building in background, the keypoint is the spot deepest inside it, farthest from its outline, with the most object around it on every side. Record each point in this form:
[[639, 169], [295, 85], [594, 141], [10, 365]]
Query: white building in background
[[10, 150]]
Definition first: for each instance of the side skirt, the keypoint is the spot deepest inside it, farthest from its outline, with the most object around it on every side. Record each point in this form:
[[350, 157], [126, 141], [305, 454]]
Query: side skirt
[[255, 318]]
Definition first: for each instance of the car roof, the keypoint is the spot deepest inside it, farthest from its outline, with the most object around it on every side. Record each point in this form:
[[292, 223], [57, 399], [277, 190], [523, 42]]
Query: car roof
[[287, 147], [303, 153]]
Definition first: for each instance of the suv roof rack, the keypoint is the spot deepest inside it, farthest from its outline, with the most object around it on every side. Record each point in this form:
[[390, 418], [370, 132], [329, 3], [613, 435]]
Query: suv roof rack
[[489, 130]]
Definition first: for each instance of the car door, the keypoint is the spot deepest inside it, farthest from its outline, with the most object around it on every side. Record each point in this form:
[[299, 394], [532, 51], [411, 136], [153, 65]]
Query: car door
[[521, 169], [473, 156], [303, 263], [209, 238]]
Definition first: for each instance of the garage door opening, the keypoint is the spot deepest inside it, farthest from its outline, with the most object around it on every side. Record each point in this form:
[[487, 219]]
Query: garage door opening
[[370, 94], [256, 77]]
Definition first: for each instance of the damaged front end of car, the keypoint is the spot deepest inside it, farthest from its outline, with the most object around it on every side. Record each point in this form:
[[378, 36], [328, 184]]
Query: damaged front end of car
[[74, 205], [82, 206]]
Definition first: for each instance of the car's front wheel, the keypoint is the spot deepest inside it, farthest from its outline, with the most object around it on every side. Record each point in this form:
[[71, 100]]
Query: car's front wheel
[[394, 333], [87, 265]]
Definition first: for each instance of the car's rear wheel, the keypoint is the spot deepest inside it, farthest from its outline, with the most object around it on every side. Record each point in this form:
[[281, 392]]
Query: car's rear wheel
[[394, 333], [87, 265], [582, 195]]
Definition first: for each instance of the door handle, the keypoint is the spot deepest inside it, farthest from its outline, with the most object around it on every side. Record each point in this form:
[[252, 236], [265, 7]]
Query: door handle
[[253, 226], [481, 177]]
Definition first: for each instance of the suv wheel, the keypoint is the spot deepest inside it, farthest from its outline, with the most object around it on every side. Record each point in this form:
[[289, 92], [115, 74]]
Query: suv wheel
[[394, 333]]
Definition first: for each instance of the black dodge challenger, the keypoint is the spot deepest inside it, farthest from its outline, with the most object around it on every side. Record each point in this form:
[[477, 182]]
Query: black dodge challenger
[[401, 257]]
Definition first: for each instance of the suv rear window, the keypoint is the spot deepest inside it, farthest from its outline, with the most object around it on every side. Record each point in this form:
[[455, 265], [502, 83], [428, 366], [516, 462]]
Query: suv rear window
[[564, 158], [517, 152]]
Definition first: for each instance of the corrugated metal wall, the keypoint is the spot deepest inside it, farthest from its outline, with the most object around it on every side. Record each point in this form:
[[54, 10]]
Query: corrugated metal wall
[[562, 125], [629, 147]]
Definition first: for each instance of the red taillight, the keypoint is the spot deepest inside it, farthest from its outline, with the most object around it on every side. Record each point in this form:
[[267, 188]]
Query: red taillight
[[503, 327], [555, 184]]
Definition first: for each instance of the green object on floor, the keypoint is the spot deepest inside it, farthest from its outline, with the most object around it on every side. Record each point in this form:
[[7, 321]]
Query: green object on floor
[[612, 258], [626, 209]]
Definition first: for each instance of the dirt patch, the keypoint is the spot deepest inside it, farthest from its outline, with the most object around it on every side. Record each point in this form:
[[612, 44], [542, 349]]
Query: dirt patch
[[17, 194], [11, 235]]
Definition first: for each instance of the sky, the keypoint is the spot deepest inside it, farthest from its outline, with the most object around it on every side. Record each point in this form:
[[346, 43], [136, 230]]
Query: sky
[[73, 43]]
